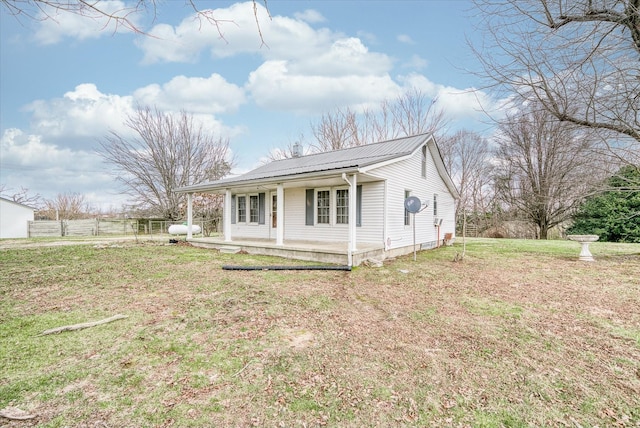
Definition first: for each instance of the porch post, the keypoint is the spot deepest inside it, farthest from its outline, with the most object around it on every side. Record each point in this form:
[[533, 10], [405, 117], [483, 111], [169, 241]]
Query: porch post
[[353, 189], [280, 215], [226, 218], [189, 215]]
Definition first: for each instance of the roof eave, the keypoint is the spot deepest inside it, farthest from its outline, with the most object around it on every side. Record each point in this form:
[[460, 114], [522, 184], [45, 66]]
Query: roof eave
[[217, 185]]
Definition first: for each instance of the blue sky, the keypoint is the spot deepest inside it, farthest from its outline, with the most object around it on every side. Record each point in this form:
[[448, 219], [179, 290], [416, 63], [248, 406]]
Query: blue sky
[[65, 83]]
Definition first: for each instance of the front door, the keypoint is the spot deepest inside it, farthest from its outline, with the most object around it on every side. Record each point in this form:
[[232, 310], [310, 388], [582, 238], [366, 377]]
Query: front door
[[274, 211]]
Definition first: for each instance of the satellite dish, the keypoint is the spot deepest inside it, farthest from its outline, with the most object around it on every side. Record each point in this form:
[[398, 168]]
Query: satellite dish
[[412, 204]]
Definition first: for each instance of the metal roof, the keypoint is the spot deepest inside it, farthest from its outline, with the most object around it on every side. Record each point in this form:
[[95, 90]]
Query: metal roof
[[323, 163]]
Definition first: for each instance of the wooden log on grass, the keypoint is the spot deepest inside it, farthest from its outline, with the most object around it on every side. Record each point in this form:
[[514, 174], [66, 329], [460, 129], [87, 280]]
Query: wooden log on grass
[[15, 414], [82, 325]]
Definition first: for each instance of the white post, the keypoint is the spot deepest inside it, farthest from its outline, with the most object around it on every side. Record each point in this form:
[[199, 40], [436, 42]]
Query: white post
[[352, 212], [280, 215], [189, 215], [226, 220], [351, 244]]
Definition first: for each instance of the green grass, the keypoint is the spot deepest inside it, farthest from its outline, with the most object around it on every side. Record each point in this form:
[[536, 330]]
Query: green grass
[[518, 334]]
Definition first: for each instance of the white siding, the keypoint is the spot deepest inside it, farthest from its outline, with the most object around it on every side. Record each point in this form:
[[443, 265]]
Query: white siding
[[244, 230], [371, 215], [294, 215], [372, 229], [252, 230], [407, 175], [14, 219]]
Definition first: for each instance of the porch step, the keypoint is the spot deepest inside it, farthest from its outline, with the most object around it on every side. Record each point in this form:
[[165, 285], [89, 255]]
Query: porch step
[[227, 249]]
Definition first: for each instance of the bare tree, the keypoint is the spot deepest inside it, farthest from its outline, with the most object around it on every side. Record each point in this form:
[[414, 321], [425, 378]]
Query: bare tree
[[102, 11], [336, 130], [208, 207], [468, 158], [21, 196], [414, 113], [410, 114], [578, 58], [66, 206], [167, 152], [545, 168]]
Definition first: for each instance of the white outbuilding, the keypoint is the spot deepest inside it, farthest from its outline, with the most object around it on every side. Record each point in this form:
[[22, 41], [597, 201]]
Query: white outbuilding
[[14, 219]]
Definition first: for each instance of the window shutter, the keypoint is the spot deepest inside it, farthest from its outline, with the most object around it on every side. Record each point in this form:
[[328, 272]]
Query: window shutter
[[359, 205], [261, 208], [309, 208], [233, 209]]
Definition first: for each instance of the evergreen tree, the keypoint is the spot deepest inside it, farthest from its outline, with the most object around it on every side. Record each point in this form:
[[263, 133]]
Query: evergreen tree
[[614, 215]]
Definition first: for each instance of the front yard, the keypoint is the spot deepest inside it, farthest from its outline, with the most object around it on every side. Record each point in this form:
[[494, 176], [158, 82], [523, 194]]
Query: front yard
[[518, 334]]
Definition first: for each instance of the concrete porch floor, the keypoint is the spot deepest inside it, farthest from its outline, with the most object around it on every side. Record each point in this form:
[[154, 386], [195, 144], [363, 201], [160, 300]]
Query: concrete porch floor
[[316, 251]]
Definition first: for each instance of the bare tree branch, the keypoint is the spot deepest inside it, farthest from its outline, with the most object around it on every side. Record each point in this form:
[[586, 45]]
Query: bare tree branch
[[578, 58], [21, 196], [468, 157], [411, 113], [121, 18], [167, 152]]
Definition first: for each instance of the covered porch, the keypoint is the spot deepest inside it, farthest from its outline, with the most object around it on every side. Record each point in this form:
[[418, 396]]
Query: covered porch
[[273, 230], [316, 251]]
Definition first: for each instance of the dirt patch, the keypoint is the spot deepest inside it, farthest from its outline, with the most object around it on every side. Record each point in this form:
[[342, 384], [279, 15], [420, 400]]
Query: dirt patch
[[298, 339]]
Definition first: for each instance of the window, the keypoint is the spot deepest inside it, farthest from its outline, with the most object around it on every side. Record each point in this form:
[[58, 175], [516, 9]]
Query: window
[[319, 206], [249, 209], [242, 209], [407, 214], [424, 161], [323, 205], [435, 204], [342, 206], [253, 209]]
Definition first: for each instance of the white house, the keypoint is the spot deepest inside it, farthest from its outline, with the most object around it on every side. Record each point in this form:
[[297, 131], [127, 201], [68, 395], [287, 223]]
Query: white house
[[14, 219], [349, 203]]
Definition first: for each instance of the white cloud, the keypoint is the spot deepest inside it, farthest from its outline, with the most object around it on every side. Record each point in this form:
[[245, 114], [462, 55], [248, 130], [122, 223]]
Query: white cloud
[[416, 62], [47, 169], [57, 155], [193, 94], [83, 112], [29, 151], [236, 32], [273, 85], [305, 70], [406, 39], [310, 15], [344, 57], [185, 42], [83, 22]]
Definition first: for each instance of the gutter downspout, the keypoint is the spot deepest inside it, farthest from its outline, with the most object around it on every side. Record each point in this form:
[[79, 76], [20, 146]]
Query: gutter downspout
[[189, 216], [351, 245]]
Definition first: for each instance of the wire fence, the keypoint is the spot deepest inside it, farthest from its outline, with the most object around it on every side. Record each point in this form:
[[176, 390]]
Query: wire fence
[[101, 226]]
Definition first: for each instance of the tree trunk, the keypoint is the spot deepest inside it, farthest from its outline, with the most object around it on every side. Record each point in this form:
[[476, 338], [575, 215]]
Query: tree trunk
[[544, 231]]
